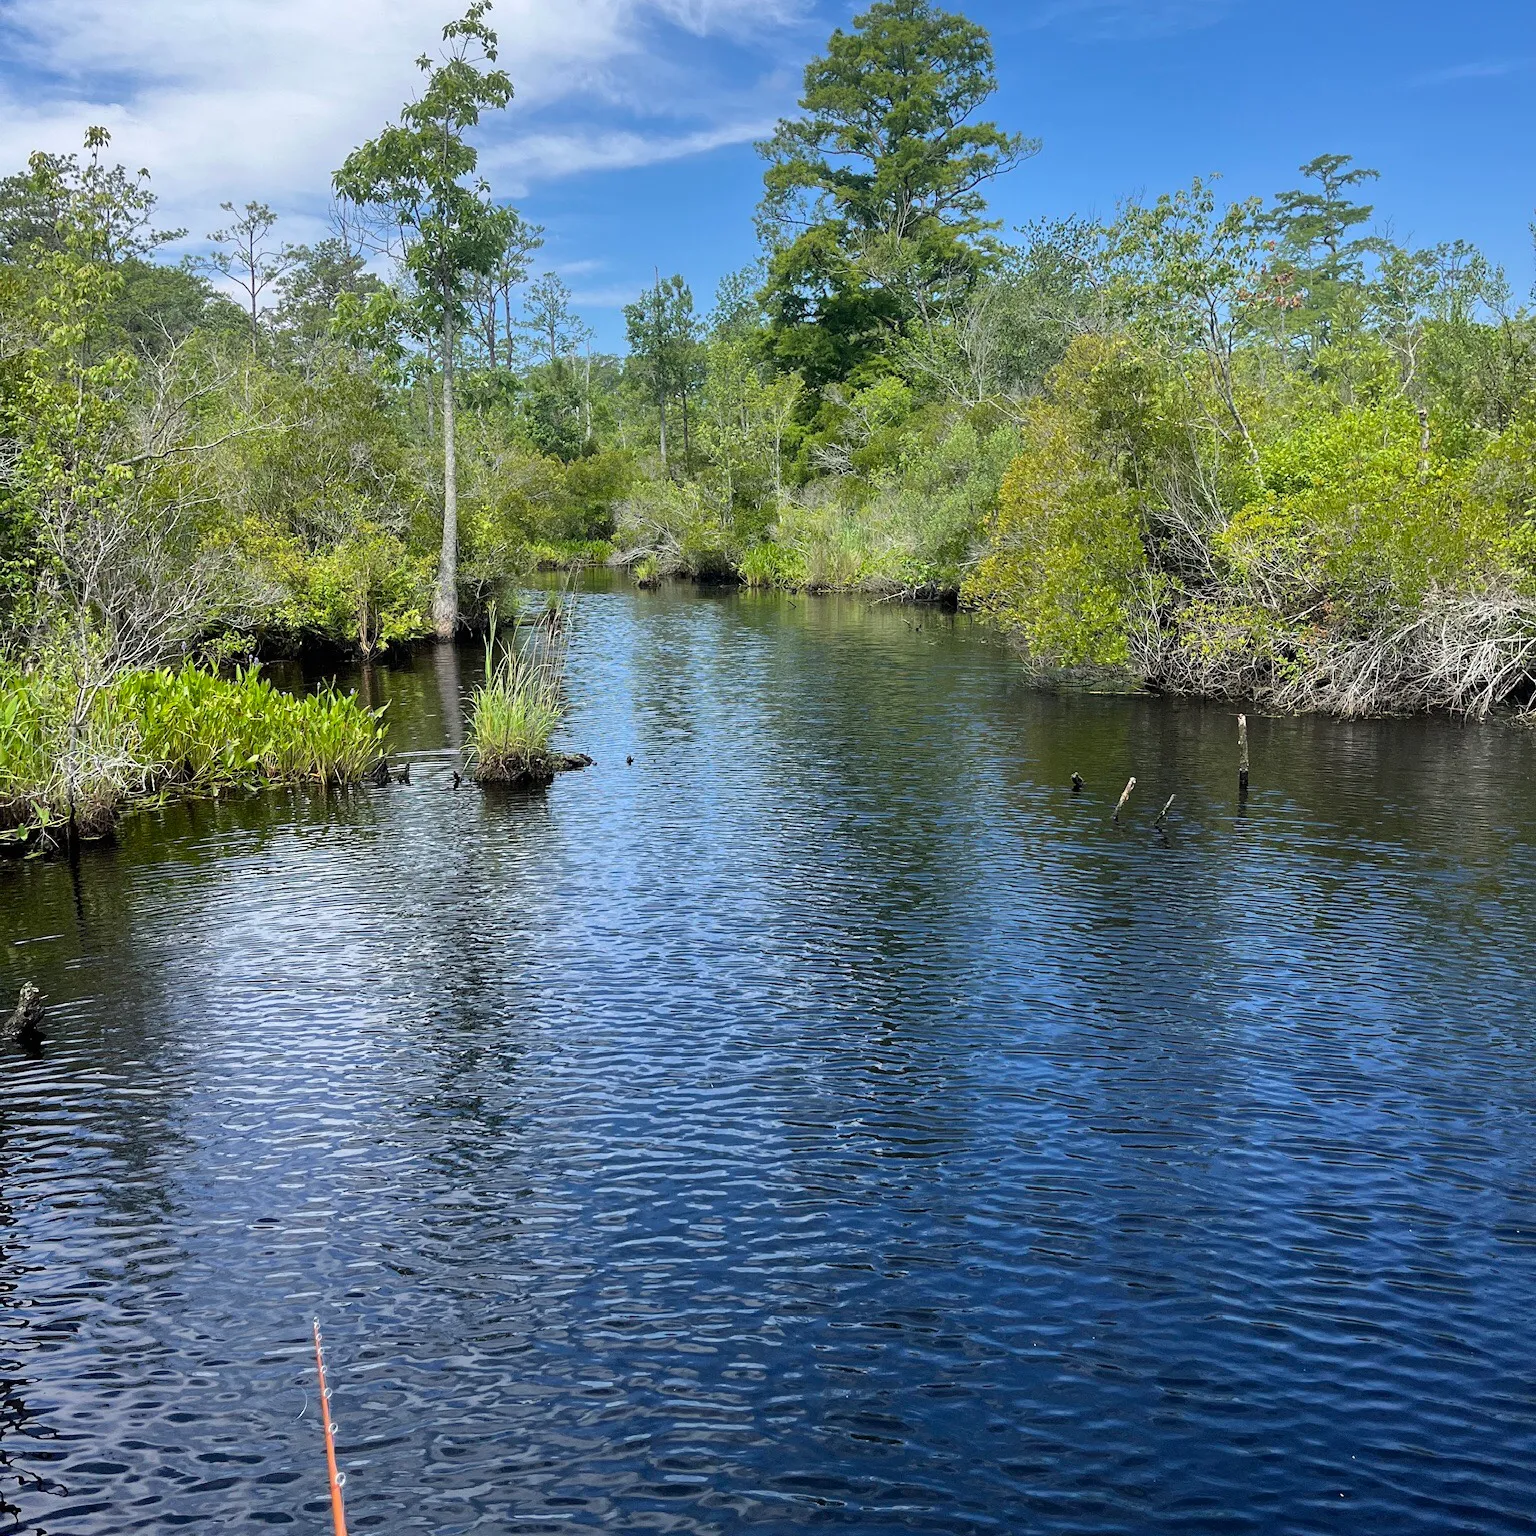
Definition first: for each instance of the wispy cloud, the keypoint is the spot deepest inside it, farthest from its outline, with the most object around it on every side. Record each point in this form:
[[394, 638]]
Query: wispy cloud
[[613, 296], [548, 156], [263, 98], [1128, 20], [1481, 69]]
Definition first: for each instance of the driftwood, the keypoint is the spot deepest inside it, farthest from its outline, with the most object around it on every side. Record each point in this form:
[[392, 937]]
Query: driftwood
[[1467, 654], [1162, 815], [1077, 783]]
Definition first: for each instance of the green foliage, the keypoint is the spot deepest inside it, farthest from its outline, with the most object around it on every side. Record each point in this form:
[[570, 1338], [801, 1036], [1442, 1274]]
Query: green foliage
[[1065, 556], [551, 407], [50, 205], [518, 707], [887, 158], [311, 286], [1229, 447], [568, 554], [773, 565], [367, 593], [1363, 540], [1356, 519], [681, 526], [417, 173], [664, 356], [206, 732], [155, 733]]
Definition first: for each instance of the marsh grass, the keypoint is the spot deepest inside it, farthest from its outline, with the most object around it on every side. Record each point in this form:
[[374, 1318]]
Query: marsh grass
[[518, 707], [157, 733]]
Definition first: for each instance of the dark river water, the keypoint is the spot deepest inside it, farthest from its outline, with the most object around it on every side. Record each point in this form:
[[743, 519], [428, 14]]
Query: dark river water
[[826, 1121]]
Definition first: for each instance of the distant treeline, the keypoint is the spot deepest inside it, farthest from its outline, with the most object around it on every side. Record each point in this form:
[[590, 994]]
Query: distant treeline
[[1250, 449]]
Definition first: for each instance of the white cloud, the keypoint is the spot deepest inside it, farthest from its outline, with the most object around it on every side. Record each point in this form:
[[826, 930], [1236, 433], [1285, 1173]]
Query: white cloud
[[263, 98], [548, 156]]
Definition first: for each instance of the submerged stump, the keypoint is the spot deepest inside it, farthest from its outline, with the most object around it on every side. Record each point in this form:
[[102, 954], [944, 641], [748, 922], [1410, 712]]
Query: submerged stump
[[25, 1026], [534, 769]]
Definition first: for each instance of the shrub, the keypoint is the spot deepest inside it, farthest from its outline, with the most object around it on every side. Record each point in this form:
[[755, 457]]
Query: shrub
[[1065, 556]]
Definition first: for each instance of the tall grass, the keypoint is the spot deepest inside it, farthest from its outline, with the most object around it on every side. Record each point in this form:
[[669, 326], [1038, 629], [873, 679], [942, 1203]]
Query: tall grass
[[153, 733], [516, 710]]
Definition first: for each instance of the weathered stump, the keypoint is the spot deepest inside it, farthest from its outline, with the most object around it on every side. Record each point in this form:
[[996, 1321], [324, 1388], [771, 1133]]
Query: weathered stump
[[26, 1022]]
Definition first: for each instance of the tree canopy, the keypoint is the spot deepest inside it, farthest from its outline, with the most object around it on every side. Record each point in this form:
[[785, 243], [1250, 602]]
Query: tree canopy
[[882, 172]]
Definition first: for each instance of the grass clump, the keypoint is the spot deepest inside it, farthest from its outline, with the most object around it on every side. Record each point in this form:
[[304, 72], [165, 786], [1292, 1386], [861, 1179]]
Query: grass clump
[[153, 733], [517, 709]]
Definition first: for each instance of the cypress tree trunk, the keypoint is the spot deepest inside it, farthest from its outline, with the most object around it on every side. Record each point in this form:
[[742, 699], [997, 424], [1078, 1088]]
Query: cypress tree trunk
[[445, 606], [586, 400]]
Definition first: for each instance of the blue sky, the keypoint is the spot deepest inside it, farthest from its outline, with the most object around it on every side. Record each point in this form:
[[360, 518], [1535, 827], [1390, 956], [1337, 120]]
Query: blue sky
[[630, 139]]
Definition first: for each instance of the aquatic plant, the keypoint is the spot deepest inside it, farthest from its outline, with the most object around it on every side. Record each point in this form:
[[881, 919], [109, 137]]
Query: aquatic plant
[[220, 732], [157, 732], [516, 710]]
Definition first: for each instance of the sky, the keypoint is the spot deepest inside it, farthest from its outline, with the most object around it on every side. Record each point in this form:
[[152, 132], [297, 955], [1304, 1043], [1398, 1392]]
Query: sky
[[631, 135]]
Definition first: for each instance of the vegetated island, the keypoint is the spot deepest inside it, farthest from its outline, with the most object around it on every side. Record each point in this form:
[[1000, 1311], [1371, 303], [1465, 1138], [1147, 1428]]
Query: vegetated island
[[1244, 450]]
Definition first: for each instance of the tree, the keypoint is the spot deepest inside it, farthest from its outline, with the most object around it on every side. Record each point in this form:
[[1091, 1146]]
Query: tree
[[664, 351], [552, 414], [1192, 275], [314, 281], [886, 154], [100, 495], [746, 419], [37, 207], [998, 340], [244, 257], [418, 173], [554, 328], [1312, 221], [490, 298], [559, 409], [1314, 247]]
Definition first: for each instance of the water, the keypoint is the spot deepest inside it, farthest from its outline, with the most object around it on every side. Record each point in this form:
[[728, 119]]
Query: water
[[828, 1120]]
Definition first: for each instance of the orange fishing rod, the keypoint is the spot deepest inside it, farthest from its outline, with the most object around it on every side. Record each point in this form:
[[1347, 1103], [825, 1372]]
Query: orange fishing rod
[[338, 1514]]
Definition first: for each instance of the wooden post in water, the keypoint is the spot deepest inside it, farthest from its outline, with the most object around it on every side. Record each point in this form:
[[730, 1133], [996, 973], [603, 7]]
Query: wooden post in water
[[1125, 794], [1162, 815], [1242, 757]]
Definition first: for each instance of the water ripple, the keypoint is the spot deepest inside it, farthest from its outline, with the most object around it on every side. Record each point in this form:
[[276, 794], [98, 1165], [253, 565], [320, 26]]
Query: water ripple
[[828, 1120]]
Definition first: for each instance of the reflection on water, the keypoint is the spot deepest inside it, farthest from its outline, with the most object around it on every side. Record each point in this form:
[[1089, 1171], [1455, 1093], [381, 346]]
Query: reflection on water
[[827, 1120]]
